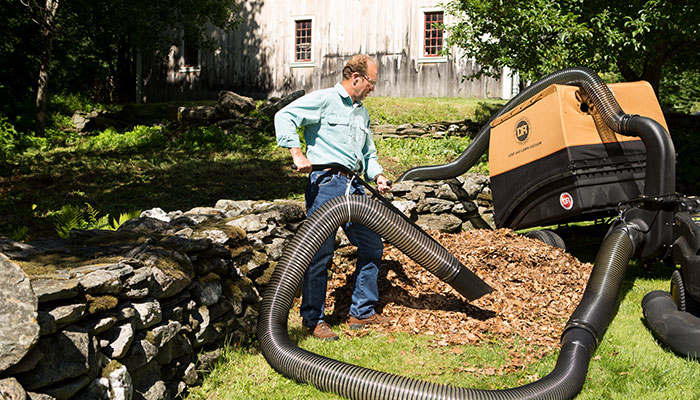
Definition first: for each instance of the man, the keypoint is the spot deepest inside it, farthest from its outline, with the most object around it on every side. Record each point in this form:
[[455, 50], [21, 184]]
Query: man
[[337, 131]]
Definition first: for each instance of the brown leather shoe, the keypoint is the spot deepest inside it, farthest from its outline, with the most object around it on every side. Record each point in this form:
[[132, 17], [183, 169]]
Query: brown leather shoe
[[322, 331], [374, 319]]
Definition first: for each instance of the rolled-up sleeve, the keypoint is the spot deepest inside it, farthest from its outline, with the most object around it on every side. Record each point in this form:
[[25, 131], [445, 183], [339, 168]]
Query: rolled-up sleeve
[[371, 160], [302, 112], [373, 166]]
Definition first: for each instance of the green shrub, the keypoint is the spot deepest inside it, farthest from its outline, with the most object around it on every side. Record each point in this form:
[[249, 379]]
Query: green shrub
[[59, 137], [8, 138], [13, 142], [68, 103], [123, 217], [141, 138], [72, 217], [681, 92], [20, 234]]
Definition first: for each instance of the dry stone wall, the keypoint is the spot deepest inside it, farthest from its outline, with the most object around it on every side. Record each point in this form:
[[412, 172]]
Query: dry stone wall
[[450, 206], [141, 312], [435, 130]]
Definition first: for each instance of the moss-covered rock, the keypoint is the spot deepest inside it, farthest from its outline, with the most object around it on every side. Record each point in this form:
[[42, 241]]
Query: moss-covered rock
[[101, 303]]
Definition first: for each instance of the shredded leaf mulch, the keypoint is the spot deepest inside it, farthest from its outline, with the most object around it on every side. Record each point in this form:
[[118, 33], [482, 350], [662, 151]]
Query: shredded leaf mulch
[[537, 287]]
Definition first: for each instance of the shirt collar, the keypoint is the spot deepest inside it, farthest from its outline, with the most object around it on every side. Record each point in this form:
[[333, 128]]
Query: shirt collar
[[344, 94]]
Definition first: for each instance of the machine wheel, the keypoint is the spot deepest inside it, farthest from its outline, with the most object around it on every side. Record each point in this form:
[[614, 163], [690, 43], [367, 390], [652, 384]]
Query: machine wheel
[[547, 237], [678, 290]]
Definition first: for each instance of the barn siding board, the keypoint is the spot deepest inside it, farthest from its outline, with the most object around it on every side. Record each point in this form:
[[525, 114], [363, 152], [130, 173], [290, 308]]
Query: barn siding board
[[256, 59]]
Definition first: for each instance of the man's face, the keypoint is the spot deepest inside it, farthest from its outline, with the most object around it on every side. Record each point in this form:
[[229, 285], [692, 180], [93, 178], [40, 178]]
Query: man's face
[[367, 82]]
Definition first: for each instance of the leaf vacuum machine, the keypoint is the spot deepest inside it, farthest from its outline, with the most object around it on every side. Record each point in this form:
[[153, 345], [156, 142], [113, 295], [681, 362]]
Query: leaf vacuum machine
[[567, 148]]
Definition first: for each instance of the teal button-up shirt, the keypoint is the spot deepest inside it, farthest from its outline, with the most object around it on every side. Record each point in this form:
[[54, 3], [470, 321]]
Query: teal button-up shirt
[[336, 130]]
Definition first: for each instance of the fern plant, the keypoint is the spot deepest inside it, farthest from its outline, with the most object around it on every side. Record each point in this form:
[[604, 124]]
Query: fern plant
[[86, 218], [69, 217], [20, 234], [123, 217], [93, 222]]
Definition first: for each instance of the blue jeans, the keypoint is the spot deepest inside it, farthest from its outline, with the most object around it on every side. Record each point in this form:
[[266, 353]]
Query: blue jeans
[[324, 186]]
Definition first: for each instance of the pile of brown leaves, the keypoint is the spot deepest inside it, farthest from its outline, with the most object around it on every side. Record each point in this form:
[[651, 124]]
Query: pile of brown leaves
[[537, 287]]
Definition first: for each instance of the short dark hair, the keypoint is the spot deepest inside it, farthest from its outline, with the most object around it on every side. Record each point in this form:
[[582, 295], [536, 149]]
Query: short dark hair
[[357, 63]]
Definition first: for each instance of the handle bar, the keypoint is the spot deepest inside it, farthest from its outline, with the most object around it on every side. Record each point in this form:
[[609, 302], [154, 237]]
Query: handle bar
[[375, 192], [321, 167]]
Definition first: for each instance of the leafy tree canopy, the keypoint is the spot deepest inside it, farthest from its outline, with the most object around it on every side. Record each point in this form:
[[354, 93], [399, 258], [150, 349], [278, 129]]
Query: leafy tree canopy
[[151, 25], [638, 38], [95, 42]]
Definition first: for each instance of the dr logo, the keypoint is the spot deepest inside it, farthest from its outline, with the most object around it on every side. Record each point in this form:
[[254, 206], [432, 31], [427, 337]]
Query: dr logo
[[522, 130], [566, 201]]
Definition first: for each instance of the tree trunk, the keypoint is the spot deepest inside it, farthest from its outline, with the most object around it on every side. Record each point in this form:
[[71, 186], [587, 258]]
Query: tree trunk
[[627, 71], [651, 69], [653, 65], [652, 74], [126, 90], [47, 19]]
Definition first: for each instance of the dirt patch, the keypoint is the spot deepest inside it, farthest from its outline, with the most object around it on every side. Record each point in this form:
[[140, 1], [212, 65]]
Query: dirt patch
[[537, 287]]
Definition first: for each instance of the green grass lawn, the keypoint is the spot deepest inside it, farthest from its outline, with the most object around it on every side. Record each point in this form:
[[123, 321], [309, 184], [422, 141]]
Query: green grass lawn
[[403, 110], [631, 364]]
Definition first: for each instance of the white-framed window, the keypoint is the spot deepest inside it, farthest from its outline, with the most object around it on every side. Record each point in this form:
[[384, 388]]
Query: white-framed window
[[432, 36], [191, 57], [302, 48]]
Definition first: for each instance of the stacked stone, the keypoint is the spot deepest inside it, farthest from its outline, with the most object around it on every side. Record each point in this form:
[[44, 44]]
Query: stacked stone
[[230, 111], [435, 130], [132, 328], [454, 205], [233, 110], [450, 206]]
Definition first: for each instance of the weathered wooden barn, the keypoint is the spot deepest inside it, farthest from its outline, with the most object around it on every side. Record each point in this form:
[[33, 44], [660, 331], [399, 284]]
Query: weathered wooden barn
[[282, 46]]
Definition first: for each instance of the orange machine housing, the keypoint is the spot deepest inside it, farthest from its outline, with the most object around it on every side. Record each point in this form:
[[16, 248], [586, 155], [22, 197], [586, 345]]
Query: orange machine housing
[[553, 160]]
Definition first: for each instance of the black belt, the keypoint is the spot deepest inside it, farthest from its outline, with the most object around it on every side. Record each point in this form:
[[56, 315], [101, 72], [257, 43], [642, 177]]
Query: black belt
[[338, 171]]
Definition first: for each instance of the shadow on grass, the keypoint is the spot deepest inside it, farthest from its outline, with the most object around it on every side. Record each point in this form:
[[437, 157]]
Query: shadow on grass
[[484, 111], [114, 183], [391, 293]]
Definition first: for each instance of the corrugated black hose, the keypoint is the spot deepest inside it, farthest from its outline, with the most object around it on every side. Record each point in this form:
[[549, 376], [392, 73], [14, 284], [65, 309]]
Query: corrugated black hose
[[680, 330], [578, 341]]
